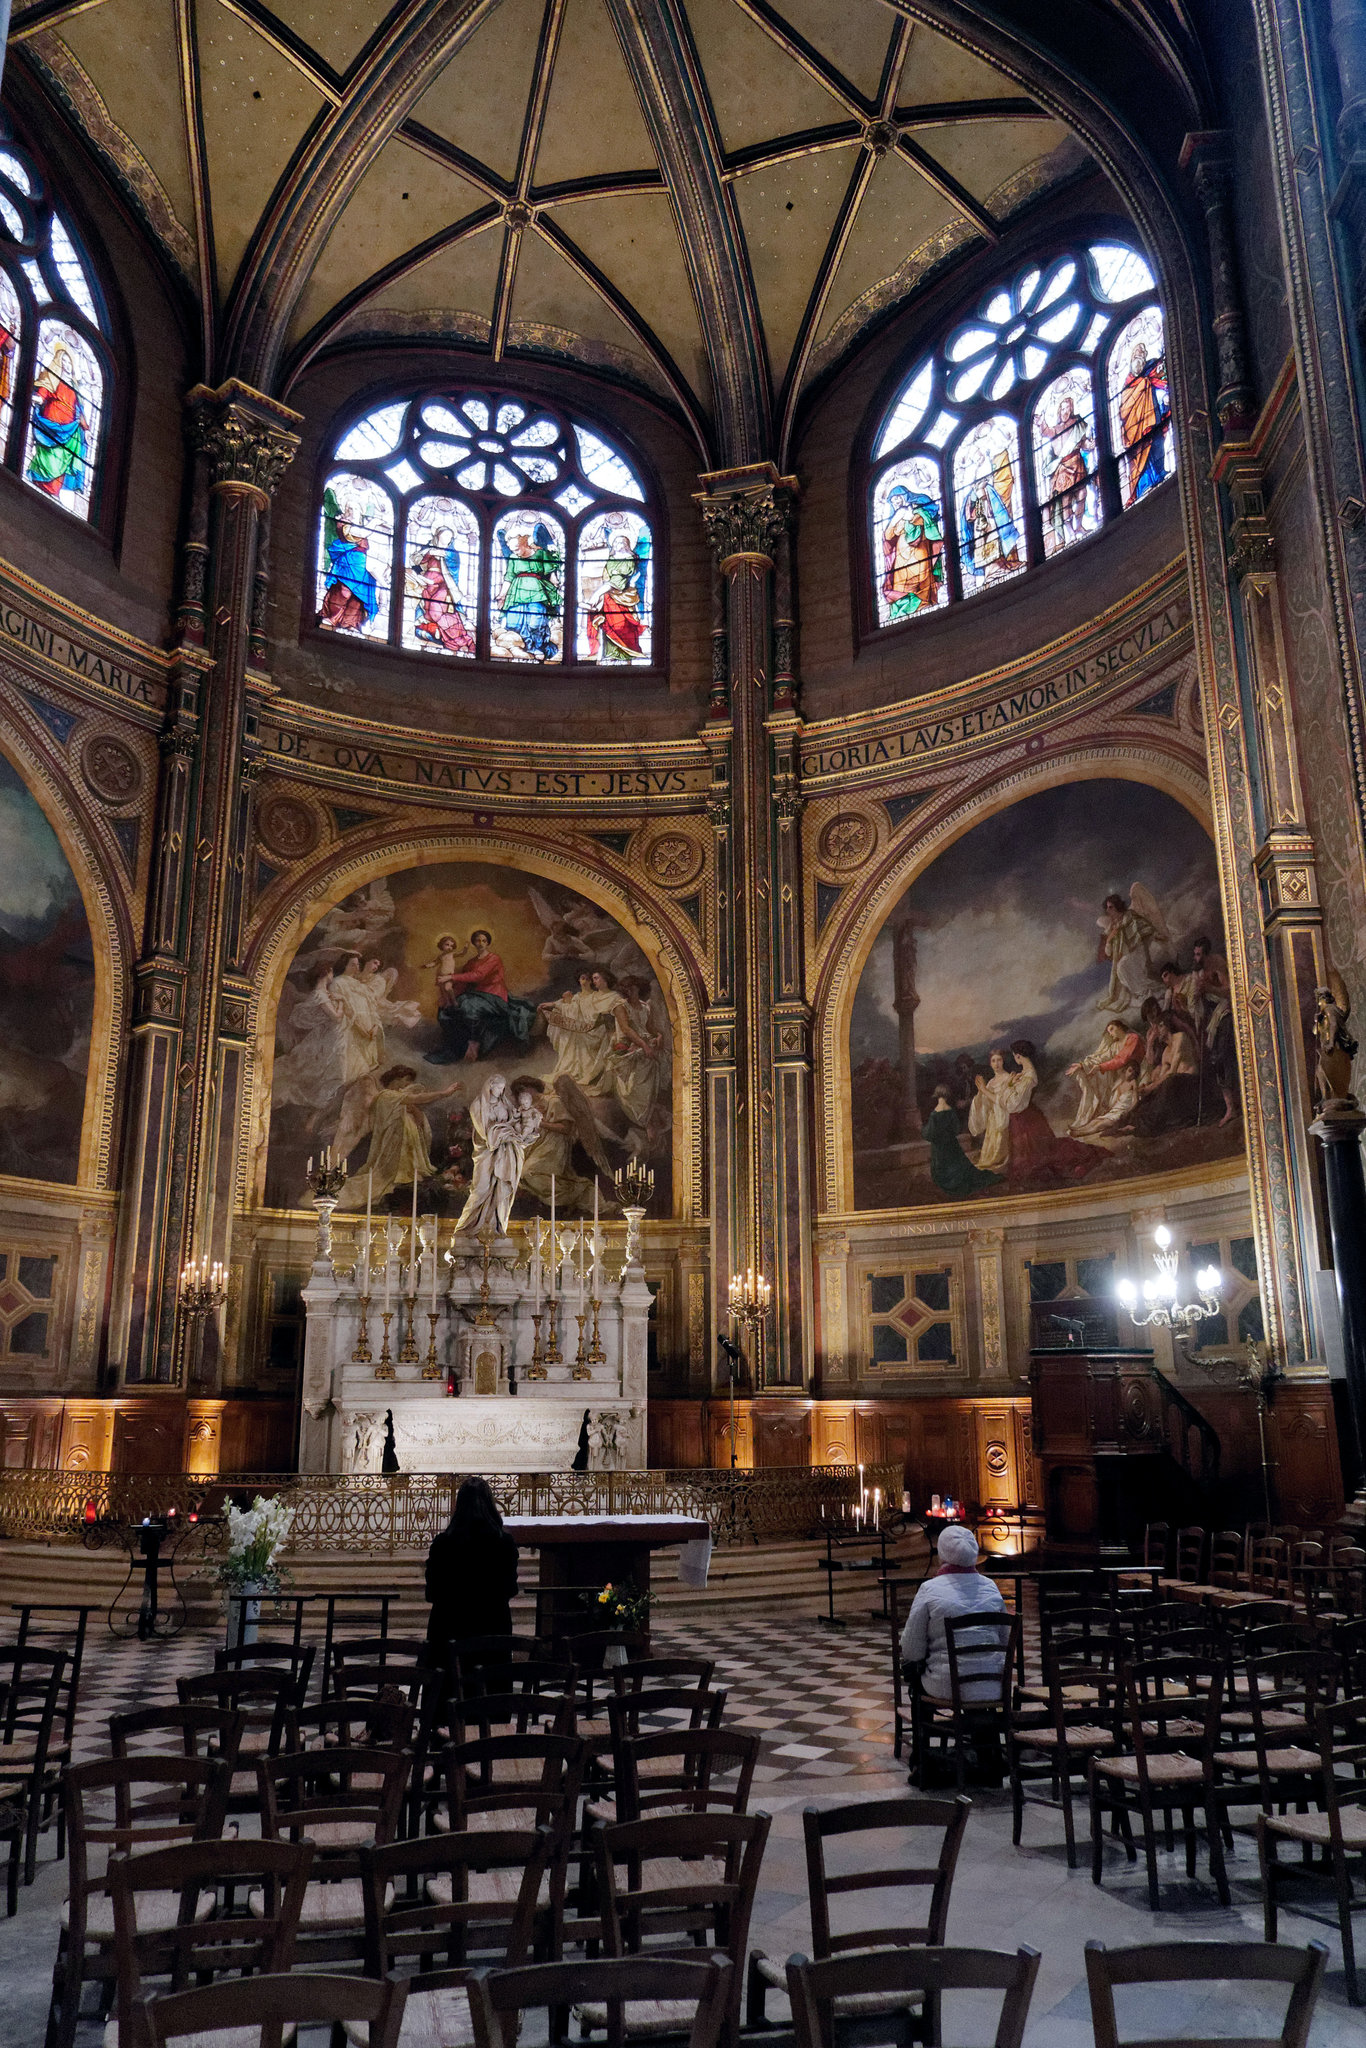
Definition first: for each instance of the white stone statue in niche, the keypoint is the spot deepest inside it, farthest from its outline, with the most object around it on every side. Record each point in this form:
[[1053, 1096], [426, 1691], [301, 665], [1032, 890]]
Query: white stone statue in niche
[[604, 1440], [363, 1442]]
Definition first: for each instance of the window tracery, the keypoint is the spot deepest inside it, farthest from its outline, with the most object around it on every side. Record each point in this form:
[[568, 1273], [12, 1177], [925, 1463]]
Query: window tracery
[[1043, 414], [54, 361], [486, 525]]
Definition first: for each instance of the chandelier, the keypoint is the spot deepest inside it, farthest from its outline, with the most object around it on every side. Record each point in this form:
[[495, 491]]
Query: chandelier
[[1163, 1309]]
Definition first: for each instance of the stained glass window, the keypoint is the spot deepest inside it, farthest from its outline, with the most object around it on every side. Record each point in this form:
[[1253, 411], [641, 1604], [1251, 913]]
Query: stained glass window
[[442, 592], [1140, 410], [519, 535], [54, 362], [356, 556], [1041, 414]]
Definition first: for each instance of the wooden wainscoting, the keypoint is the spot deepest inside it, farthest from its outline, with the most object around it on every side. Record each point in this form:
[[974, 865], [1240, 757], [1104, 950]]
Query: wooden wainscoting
[[971, 1446], [153, 1433]]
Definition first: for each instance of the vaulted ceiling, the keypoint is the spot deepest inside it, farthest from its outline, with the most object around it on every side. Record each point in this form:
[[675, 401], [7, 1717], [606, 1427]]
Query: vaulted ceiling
[[709, 197]]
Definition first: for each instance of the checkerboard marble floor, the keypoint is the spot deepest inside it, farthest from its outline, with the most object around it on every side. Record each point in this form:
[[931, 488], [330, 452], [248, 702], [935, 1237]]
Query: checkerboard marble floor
[[819, 1699], [821, 1703]]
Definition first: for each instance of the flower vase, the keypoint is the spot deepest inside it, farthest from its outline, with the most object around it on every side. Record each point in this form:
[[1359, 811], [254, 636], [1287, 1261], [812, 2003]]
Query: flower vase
[[244, 1613]]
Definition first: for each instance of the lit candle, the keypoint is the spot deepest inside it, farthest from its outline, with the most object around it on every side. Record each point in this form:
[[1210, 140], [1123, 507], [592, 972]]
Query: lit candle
[[369, 1198], [554, 1255], [412, 1234], [310, 1164], [436, 1245]]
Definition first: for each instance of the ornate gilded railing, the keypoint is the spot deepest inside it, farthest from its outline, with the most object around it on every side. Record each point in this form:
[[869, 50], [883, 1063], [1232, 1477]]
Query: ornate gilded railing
[[363, 1513]]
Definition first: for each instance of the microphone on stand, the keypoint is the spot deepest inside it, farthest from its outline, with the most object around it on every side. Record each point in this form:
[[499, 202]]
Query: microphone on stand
[[732, 1350]]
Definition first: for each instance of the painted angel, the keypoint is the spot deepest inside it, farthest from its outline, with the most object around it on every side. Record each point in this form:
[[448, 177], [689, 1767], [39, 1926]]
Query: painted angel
[[1129, 933]]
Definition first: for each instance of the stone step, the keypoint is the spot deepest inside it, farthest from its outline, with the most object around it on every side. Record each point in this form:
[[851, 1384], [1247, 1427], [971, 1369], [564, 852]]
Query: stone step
[[761, 1577]]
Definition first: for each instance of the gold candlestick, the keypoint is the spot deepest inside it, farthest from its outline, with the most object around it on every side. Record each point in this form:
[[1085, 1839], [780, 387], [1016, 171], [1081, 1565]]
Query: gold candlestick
[[536, 1370], [408, 1353], [362, 1353], [552, 1355], [431, 1370], [385, 1370], [596, 1354], [581, 1371]]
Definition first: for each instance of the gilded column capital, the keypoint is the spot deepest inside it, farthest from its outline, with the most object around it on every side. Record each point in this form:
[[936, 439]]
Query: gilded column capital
[[746, 512], [249, 440]]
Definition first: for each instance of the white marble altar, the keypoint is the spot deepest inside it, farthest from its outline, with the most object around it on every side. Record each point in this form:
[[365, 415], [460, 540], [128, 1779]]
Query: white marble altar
[[486, 1402]]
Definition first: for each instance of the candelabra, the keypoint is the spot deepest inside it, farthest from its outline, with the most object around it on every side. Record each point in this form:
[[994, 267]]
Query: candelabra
[[536, 1370], [635, 1184], [1165, 1311], [327, 1180], [203, 1289], [750, 1298], [595, 1353], [431, 1370], [582, 1369], [362, 1353], [385, 1369]]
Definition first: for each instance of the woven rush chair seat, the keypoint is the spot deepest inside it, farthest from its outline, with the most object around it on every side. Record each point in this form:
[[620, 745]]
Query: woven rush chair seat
[[1082, 1736], [498, 1887], [1290, 1759], [1078, 1695], [854, 2004], [157, 1911], [226, 2037], [431, 2019], [1315, 1828], [338, 1902], [643, 2016], [1162, 1770], [1284, 1719]]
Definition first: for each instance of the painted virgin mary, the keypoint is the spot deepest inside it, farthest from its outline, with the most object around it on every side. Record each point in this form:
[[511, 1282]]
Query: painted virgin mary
[[438, 619]]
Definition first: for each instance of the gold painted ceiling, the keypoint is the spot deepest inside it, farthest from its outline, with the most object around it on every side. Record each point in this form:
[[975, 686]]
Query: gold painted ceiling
[[711, 197]]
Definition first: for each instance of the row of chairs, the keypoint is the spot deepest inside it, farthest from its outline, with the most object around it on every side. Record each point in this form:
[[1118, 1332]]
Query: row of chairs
[[1319, 1569], [500, 2000]]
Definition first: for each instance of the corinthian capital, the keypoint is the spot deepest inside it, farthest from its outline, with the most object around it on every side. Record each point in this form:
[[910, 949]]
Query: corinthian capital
[[746, 511], [248, 439]]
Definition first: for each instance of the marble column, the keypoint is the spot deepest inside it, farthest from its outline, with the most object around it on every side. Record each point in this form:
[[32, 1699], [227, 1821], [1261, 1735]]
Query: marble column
[[190, 1030], [759, 1084], [1339, 1127]]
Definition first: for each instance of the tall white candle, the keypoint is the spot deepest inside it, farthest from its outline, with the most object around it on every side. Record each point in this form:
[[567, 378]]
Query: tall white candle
[[369, 1198], [412, 1234], [554, 1252], [436, 1246], [595, 1235], [582, 1236], [388, 1275], [536, 1269]]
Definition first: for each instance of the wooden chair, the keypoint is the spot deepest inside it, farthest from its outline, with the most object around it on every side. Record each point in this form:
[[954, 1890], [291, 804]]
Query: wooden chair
[[693, 1993], [1337, 1829], [343, 1801], [58, 1625], [296, 1658], [349, 1613], [677, 1885], [33, 1755], [1157, 1538], [12, 1826], [519, 1781], [1172, 1708], [640, 1673], [981, 1653], [924, 1878], [1056, 1740], [208, 1936], [273, 2006], [1206, 1962], [203, 1732], [1285, 1692], [1226, 1559], [681, 1771], [112, 1808], [1190, 1556], [817, 1988], [540, 1694], [1268, 1567], [440, 1906], [266, 1699]]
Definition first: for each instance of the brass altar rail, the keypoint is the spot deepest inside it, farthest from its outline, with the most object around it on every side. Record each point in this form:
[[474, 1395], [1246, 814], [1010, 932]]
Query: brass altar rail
[[382, 1514]]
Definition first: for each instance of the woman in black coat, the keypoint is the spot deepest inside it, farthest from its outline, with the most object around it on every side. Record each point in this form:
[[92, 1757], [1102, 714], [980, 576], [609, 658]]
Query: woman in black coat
[[471, 1570]]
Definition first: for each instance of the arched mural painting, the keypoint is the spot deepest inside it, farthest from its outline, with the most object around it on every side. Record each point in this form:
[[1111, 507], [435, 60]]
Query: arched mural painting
[[1047, 1007], [412, 993], [47, 993]]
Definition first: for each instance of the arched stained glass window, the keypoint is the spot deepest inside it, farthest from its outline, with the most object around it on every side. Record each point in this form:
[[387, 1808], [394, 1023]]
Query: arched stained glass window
[[54, 357], [514, 534], [1042, 414]]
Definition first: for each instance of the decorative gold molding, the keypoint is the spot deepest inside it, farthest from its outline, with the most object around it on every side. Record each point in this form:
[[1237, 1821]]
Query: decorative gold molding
[[249, 439]]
